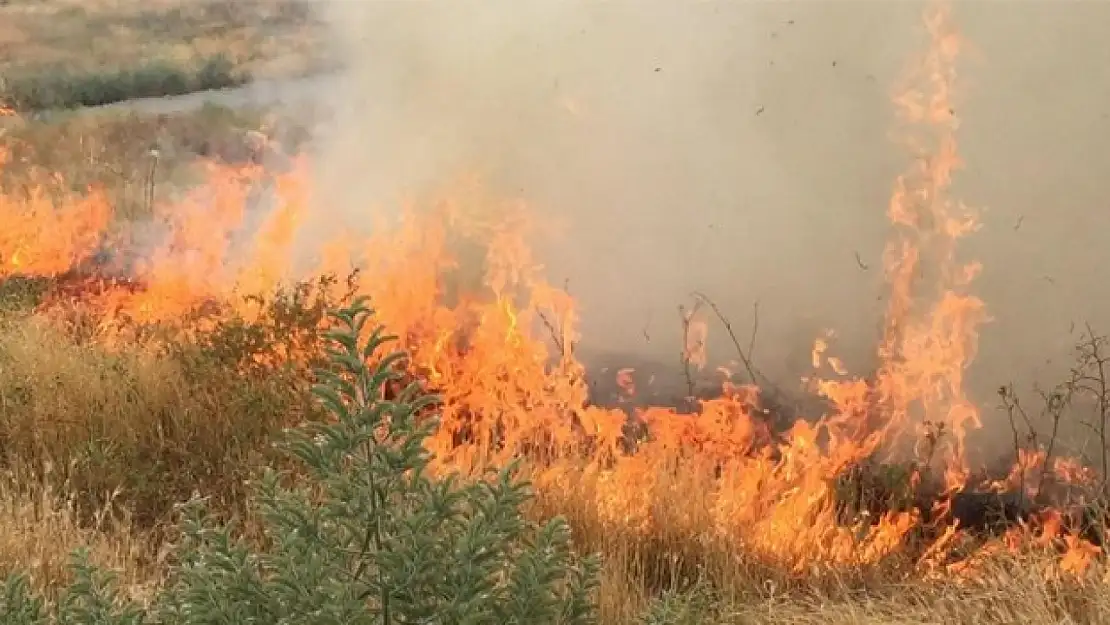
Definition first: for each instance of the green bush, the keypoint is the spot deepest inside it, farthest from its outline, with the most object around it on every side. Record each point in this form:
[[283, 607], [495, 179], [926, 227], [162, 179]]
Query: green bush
[[368, 537], [61, 89]]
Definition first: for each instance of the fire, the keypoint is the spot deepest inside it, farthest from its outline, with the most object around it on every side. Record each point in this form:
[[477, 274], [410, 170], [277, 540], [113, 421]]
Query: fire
[[925, 350], [501, 354], [75, 230]]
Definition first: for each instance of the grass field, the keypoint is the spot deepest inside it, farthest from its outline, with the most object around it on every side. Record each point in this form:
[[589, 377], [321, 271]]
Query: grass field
[[137, 375], [59, 54]]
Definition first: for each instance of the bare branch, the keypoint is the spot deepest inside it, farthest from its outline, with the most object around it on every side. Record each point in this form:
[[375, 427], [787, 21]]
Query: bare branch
[[744, 356]]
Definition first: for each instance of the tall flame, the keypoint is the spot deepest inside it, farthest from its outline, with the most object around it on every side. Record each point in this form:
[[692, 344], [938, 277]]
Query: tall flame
[[932, 320]]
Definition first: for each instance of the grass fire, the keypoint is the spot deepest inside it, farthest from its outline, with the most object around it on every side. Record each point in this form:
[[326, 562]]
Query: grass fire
[[219, 403]]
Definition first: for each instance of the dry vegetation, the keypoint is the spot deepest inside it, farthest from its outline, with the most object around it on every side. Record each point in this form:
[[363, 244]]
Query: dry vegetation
[[139, 158], [101, 438], [59, 54]]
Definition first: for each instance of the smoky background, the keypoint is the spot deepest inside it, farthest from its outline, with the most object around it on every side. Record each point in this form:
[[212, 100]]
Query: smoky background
[[740, 149]]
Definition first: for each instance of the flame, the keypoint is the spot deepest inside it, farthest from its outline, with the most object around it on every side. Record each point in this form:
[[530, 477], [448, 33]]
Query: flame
[[76, 229], [926, 347], [501, 354]]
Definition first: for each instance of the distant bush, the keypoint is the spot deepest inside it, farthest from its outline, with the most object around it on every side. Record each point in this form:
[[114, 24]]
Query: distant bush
[[61, 89], [368, 537]]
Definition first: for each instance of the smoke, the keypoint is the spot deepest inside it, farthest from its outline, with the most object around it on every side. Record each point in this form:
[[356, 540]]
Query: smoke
[[741, 149]]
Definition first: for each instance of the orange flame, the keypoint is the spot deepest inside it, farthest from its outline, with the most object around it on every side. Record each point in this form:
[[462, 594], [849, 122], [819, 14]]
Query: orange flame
[[925, 350]]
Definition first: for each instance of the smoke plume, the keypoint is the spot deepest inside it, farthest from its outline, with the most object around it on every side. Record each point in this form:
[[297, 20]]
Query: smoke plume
[[740, 149]]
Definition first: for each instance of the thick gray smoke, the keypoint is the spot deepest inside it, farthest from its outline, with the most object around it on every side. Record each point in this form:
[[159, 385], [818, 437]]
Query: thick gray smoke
[[742, 149]]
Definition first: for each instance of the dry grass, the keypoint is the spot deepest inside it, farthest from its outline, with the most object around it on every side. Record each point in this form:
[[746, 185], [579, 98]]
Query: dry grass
[[40, 528], [679, 572], [131, 155], [129, 433], [61, 53]]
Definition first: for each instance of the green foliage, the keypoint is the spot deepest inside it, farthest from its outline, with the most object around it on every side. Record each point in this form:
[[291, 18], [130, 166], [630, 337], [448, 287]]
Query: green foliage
[[691, 607], [60, 89], [91, 599], [19, 605], [369, 537]]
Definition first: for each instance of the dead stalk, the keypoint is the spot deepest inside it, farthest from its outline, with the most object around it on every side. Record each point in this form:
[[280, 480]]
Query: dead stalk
[[687, 319], [1090, 377], [745, 356], [151, 181], [556, 334], [1012, 406], [1054, 404]]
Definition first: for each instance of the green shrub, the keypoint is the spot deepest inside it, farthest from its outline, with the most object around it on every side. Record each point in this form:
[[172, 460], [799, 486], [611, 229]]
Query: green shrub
[[693, 607], [61, 89], [369, 537]]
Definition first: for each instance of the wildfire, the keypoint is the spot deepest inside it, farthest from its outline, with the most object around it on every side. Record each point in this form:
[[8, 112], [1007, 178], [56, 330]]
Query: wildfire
[[507, 393]]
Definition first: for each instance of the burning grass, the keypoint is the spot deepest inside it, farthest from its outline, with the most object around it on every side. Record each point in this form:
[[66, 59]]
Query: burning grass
[[134, 159], [148, 355]]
